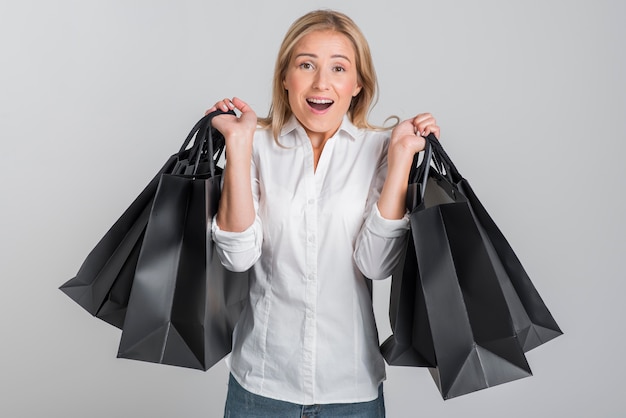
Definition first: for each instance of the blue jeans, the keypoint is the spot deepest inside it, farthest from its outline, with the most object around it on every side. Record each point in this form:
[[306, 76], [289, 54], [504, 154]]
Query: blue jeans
[[242, 404]]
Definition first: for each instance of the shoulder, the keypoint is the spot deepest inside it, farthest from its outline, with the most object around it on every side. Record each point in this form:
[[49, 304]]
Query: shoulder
[[376, 139], [264, 145], [262, 137], [262, 133], [369, 135], [375, 135]]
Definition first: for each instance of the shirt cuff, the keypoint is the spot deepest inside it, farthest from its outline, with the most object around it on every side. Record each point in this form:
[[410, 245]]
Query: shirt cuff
[[386, 228], [234, 242]]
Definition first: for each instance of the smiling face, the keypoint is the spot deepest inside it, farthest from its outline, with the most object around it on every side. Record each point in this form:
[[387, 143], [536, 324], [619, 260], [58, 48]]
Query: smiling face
[[320, 81]]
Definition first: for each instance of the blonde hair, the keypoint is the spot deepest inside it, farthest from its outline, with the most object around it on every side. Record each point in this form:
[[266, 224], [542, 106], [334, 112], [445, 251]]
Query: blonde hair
[[324, 20]]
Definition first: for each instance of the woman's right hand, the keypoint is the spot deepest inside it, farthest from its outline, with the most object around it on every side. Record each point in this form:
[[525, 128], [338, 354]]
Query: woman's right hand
[[238, 131]]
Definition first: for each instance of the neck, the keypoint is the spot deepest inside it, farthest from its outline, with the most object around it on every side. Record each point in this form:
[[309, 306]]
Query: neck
[[318, 139], [317, 143]]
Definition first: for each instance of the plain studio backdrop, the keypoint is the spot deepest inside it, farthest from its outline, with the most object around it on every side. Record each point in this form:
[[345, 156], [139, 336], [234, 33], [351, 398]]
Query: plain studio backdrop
[[95, 95]]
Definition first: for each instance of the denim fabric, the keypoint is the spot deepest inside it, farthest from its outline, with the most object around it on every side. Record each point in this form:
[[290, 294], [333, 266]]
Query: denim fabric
[[242, 404]]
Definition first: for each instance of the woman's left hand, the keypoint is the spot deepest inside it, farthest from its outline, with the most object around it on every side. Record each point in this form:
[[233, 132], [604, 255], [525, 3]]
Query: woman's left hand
[[425, 124], [409, 135], [407, 138]]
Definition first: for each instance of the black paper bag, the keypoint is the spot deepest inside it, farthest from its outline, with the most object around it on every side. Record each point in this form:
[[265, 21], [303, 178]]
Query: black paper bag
[[183, 304], [449, 308], [533, 322], [103, 282]]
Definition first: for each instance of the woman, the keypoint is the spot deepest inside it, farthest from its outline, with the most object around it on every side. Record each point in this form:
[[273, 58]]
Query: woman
[[313, 202]]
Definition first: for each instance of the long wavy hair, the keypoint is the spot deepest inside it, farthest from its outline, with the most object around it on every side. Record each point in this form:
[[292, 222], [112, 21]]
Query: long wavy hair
[[324, 20]]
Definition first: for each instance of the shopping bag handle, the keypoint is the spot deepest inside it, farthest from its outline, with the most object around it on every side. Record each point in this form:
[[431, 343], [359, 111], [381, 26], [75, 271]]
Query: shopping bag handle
[[419, 172], [207, 146], [440, 154], [434, 158], [205, 143], [203, 122]]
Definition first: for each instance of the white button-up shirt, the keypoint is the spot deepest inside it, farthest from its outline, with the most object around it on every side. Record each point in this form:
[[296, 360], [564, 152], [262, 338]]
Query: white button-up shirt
[[308, 333]]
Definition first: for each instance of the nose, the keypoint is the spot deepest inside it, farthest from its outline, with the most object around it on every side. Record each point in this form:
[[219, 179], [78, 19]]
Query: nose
[[320, 81]]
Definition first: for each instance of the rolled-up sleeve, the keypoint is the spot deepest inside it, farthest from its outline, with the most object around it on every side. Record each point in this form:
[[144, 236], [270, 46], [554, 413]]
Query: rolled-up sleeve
[[238, 251], [379, 245]]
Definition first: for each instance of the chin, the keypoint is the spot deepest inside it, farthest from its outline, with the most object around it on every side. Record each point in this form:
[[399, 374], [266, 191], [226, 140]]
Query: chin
[[324, 123]]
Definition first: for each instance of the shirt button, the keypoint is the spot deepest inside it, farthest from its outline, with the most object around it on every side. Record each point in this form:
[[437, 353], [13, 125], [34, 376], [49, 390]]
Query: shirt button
[[311, 239]]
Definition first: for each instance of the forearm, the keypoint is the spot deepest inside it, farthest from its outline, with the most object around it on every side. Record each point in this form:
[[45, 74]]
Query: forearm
[[392, 200], [236, 209], [237, 230]]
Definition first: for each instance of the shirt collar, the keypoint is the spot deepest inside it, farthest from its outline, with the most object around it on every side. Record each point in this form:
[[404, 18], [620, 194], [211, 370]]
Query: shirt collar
[[346, 126]]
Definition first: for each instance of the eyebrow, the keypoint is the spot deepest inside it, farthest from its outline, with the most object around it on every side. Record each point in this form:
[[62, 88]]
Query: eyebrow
[[307, 54]]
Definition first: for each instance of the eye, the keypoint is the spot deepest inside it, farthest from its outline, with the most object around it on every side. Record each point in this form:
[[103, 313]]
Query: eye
[[306, 65], [339, 69]]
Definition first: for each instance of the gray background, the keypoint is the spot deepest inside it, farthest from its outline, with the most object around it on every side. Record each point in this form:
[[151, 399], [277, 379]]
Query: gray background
[[94, 95]]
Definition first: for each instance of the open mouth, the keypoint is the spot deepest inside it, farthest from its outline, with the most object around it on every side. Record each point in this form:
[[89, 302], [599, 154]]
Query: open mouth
[[320, 104]]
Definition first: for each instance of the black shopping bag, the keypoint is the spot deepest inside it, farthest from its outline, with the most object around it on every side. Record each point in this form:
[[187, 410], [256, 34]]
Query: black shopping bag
[[407, 308], [454, 317], [533, 322], [110, 264], [103, 282], [407, 314], [183, 304]]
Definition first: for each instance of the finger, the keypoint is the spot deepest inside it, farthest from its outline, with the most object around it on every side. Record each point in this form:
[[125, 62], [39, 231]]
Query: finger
[[425, 125], [241, 105], [224, 105], [221, 105], [434, 130], [422, 118], [247, 113], [429, 129], [406, 127]]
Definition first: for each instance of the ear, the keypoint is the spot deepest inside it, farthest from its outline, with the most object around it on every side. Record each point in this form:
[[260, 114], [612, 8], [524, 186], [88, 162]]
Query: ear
[[285, 84], [357, 90]]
